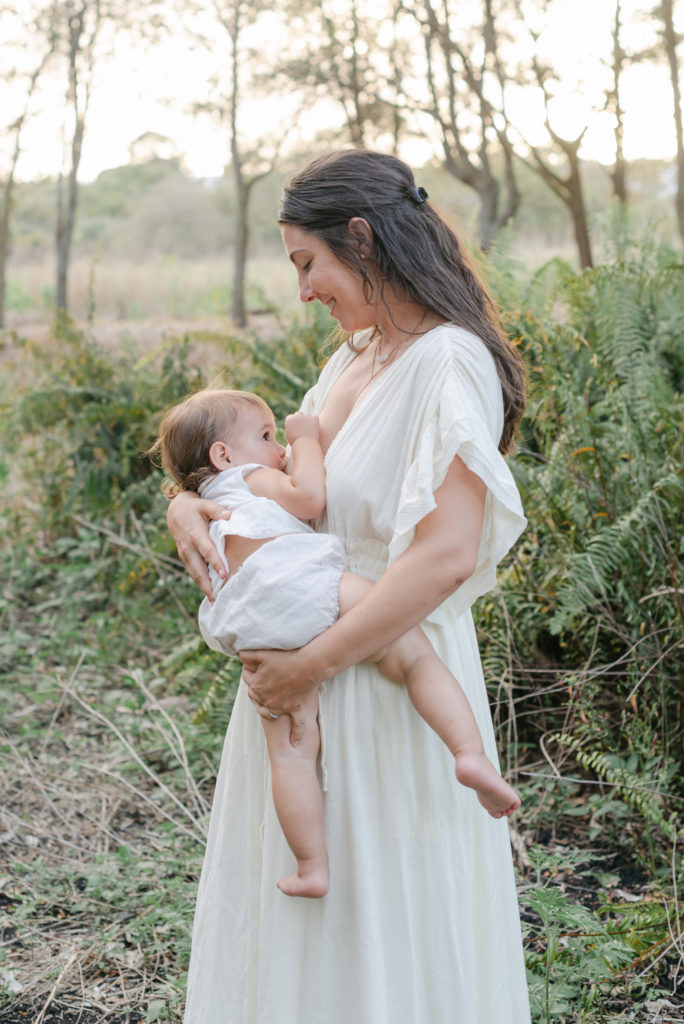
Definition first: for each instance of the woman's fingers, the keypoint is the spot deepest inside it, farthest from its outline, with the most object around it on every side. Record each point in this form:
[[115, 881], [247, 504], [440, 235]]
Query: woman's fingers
[[212, 509], [188, 518], [250, 661], [268, 713], [265, 712], [199, 534], [207, 550], [197, 567]]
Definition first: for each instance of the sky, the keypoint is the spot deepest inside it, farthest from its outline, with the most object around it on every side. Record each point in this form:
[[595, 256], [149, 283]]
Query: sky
[[152, 90]]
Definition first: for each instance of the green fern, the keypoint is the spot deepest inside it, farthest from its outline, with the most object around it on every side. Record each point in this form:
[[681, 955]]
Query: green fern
[[216, 707], [640, 790], [594, 587]]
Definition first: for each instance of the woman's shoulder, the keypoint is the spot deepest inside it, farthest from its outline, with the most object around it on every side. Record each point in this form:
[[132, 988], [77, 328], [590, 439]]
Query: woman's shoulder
[[449, 350], [457, 365], [457, 342]]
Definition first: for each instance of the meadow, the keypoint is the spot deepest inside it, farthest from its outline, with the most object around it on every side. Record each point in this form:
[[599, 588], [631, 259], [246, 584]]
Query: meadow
[[114, 712]]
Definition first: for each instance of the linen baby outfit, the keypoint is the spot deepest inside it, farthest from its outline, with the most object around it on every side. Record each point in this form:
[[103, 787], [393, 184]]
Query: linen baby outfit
[[284, 594]]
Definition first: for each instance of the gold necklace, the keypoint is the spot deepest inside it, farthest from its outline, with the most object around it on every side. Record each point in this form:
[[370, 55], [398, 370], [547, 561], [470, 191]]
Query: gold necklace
[[383, 363], [384, 359]]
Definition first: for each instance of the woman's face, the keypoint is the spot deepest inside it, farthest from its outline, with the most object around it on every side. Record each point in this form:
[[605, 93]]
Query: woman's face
[[324, 277]]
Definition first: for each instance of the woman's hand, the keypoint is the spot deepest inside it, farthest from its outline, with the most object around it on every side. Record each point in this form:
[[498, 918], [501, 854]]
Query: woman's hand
[[279, 681], [188, 518]]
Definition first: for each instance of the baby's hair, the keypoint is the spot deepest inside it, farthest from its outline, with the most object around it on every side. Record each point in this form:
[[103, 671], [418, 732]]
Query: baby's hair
[[188, 430]]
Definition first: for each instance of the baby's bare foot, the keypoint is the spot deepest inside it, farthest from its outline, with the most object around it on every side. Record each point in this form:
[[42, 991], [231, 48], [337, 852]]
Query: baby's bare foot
[[475, 770], [312, 881]]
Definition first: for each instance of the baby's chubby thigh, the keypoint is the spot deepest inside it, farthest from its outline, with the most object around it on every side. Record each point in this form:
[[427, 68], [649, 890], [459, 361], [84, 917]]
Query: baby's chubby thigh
[[353, 588], [396, 659]]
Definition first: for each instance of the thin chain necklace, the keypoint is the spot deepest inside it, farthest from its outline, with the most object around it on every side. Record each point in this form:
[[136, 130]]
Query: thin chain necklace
[[385, 359]]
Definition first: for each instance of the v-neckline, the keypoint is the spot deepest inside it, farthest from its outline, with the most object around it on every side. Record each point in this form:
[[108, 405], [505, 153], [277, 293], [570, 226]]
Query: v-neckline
[[369, 389]]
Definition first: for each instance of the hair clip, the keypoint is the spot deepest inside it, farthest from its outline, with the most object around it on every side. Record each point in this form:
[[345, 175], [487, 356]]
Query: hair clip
[[418, 194]]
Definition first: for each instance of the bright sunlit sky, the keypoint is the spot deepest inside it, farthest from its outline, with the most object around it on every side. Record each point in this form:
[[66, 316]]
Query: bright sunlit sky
[[152, 90]]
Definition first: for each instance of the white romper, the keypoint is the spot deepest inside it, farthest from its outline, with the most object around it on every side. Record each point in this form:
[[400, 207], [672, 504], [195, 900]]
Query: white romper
[[284, 594]]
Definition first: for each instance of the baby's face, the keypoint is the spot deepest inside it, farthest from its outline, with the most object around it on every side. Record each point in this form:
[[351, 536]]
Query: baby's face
[[254, 440]]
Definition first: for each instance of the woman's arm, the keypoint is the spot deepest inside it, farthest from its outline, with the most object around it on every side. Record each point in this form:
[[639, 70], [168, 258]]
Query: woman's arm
[[442, 555], [188, 518]]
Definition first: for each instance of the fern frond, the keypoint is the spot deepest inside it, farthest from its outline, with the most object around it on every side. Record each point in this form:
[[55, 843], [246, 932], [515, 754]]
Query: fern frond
[[218, 701], [639, 792]]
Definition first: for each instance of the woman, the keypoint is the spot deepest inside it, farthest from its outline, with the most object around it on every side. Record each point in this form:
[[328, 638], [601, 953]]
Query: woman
[[421, 924]]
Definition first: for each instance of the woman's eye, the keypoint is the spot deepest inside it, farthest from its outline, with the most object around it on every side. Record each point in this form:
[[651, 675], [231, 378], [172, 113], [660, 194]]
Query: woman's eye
[[307, 266]]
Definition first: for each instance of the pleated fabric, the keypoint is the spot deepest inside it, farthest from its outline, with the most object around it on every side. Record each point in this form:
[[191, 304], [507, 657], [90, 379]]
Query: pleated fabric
[[421, 922]]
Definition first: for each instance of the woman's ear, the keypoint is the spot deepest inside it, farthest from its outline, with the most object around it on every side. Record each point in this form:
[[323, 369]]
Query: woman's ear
[[219, 455], [361, 235]]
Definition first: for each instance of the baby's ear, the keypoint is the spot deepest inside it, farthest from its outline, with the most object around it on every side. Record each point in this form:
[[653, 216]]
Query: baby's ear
[[219, 455]]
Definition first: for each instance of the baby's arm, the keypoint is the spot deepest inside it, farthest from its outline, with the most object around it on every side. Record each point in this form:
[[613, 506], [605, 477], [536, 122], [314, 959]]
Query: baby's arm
[[302, 492]]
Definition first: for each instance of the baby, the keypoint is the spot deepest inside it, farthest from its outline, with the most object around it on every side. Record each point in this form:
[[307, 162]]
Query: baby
[[285, 584]]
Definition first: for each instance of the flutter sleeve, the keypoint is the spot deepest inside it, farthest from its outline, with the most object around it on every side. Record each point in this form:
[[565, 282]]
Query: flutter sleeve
[[462, 415]]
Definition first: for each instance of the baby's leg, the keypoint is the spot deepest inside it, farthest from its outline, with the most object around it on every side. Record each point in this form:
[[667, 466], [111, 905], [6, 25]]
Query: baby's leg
[[437, 696], [298, 799]]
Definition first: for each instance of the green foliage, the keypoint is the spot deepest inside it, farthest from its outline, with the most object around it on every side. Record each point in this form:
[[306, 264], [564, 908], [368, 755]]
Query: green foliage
[[641, 784], [582, 961], [592, 596], [91, 416], [281, 370]]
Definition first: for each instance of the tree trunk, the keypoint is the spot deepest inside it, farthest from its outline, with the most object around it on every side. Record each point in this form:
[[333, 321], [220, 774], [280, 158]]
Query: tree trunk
[[670, 37], [581, 229], [81, 56], [578, 211], [241, 189], [66, 218], [6, 213], [487, 219], [619, 173], [238, 311], [473, 170], [4, 242], [62, 246], [569, 190]]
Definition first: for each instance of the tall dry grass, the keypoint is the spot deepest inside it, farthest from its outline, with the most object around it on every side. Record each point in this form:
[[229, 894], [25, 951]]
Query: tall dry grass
[[104, 289]]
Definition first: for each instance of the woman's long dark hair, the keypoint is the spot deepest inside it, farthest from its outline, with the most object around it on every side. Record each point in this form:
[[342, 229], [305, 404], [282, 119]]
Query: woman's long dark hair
[[414, 252]]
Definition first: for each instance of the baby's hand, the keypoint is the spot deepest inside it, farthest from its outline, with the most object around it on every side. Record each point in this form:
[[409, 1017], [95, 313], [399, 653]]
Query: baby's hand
[[300, 425]]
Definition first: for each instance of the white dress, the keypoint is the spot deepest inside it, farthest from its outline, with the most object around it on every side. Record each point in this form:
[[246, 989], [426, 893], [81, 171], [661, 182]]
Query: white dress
[[421, 922]]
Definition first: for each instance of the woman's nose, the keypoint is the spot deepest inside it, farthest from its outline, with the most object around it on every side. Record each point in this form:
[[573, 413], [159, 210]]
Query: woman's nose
[[306, 292]]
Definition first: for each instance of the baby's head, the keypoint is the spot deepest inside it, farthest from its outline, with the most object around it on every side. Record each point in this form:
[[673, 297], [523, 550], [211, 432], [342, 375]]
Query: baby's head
[[193, 433]]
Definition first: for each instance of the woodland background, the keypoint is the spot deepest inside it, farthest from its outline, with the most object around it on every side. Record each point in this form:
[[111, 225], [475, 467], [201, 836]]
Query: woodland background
[[120, 294]]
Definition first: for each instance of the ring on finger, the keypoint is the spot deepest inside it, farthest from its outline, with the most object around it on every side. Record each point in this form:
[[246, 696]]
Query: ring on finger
[[271, 713]]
